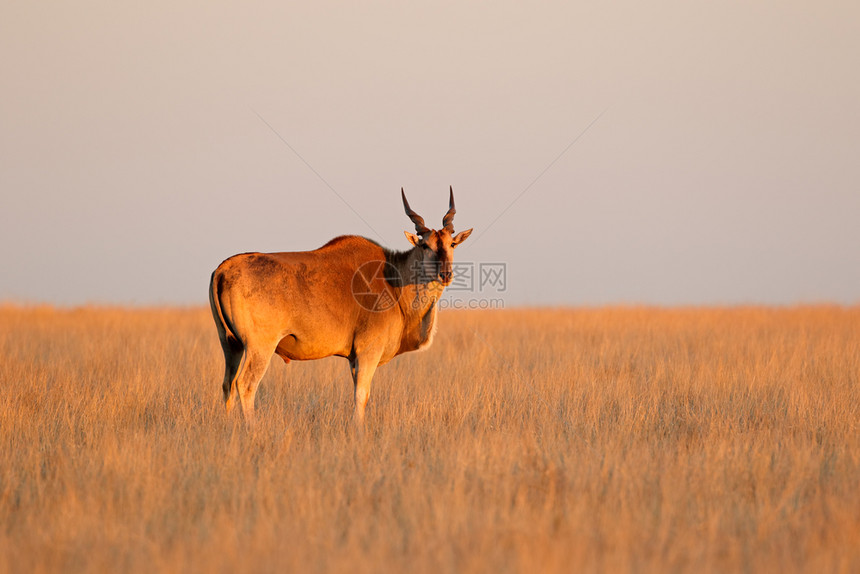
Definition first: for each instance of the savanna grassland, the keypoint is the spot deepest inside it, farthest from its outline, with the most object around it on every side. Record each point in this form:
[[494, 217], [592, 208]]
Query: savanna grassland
[[618, 439]]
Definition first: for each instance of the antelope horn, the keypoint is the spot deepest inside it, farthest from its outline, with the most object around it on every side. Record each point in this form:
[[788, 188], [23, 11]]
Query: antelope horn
[[420, 228], [448, 220]]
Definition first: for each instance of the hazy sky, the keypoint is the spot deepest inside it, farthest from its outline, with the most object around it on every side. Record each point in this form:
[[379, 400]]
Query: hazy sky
[[137, 147]]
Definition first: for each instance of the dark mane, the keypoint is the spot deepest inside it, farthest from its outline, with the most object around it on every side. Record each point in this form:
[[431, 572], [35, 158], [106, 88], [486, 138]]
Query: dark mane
[[396, 258]]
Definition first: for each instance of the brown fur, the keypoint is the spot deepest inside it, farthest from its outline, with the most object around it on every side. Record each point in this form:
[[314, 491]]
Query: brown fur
[[301, 306]]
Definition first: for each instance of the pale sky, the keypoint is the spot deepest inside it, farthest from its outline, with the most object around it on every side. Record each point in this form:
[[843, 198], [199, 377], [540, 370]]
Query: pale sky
[[668, 153]]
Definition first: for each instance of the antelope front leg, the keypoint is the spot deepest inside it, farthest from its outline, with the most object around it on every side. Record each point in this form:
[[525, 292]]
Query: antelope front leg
[[362, 368]]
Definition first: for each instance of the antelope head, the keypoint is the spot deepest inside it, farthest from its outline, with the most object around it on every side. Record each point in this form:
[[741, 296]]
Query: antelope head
[[436, 245]]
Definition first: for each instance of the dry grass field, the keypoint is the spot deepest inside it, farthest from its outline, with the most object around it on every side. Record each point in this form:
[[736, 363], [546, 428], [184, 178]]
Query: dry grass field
[[605, 440]]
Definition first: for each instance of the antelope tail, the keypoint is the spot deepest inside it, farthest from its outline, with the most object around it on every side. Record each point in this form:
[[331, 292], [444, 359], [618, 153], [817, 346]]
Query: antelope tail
[[215, 285], [229, 338]]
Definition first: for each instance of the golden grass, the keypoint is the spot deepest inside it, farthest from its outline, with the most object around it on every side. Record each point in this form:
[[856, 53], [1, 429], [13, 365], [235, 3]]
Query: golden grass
[[645, 440]]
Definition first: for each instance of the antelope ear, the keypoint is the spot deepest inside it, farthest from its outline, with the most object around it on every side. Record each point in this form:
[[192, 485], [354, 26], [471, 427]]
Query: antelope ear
[[413, 239], [460, 237]]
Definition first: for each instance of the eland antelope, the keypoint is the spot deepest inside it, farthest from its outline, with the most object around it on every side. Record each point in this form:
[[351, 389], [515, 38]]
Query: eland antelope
[[350, 298]]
